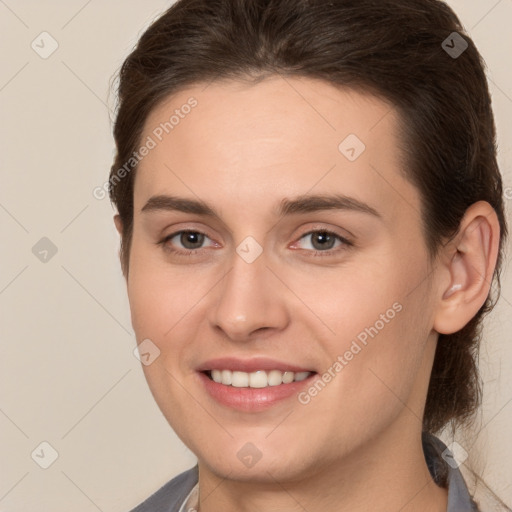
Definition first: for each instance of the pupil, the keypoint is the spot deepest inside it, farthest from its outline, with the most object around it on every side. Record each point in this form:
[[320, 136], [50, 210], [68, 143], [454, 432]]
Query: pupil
[[323, 238], [191, 238]]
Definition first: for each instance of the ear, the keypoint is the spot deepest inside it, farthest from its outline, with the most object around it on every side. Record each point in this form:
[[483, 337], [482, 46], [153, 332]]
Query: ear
[[119, 226], [468, 264], [118, 223]]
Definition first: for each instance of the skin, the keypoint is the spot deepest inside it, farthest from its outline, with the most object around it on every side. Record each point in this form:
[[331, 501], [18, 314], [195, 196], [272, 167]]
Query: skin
[[243, 149]]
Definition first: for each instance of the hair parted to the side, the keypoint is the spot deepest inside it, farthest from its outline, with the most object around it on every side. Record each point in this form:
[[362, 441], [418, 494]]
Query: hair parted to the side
[[390, 48]]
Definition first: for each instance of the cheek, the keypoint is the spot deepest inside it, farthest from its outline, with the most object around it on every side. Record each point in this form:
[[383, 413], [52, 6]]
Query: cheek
[[158, 296], [160, 301], [349, 299], [167, 306], [379, 321], [148, 304]]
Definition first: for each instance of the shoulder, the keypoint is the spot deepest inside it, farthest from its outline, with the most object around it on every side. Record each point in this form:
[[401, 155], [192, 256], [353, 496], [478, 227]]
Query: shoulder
[[170, 497]]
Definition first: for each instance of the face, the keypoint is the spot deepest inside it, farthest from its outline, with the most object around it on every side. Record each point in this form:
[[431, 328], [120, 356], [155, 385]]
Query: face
[[276, 241]]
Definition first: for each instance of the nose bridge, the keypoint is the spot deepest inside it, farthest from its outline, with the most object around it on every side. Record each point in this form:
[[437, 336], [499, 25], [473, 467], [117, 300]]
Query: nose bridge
[[247, 300]]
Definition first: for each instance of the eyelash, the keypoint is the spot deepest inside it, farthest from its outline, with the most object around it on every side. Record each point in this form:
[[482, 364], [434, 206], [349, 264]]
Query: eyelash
[[315, 253]]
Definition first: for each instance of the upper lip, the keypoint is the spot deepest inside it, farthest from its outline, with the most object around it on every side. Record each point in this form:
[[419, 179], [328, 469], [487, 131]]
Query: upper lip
[[250, 365]]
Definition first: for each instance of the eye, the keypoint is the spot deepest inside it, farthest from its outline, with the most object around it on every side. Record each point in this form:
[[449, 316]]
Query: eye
[[323, 242], [190, 240]]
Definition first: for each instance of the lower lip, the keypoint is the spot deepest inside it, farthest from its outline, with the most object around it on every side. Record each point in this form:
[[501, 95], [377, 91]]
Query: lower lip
[[252, 399]]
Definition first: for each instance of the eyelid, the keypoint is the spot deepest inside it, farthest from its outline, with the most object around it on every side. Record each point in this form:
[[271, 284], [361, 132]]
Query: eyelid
[[344, 245], [166, 239], [345, 242]]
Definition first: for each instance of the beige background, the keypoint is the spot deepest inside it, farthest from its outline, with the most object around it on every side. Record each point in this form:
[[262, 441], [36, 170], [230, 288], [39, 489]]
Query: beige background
[[68, 373]]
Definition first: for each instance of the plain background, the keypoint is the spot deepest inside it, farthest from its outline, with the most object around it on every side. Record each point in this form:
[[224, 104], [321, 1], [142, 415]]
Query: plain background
[[68, 373]]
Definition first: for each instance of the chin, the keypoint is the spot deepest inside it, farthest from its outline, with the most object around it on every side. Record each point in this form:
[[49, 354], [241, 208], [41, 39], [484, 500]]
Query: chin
[[264, 465]]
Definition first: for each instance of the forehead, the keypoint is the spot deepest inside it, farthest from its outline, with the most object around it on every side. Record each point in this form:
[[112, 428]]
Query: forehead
[[283, 135]]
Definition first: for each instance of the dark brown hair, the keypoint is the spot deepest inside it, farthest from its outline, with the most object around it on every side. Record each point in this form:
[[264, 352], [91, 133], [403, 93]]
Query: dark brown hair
[[391, 48]]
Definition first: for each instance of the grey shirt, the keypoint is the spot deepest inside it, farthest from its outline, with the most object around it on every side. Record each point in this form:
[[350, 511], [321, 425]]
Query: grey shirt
[[172, 496]]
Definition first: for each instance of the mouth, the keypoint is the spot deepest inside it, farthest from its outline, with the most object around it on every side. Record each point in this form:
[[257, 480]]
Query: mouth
[[258, 379], [252, 385]]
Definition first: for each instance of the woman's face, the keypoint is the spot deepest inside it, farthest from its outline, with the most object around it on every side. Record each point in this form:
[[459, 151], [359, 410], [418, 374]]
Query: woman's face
[[255, 289]]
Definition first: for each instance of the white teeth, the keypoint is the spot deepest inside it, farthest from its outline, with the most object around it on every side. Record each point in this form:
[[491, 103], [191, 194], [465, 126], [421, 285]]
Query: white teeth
[[226, 377], [240, 379], [275, 377], [288, 377], [301, 376], [257, 379]]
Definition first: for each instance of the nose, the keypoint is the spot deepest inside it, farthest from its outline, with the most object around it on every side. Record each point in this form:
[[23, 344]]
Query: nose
[[250, 300]]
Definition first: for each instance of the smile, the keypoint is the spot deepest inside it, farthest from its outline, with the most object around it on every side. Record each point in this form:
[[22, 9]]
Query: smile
[[256, 379]]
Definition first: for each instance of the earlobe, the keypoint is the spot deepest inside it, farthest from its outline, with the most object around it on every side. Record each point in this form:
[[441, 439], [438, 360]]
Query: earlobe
[[470, 267]]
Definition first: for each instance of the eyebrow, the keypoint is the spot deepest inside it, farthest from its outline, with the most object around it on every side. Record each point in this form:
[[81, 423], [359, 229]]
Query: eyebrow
[[299, 205]]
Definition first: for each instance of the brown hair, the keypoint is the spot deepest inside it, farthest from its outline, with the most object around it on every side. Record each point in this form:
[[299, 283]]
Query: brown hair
[[391, 48]]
